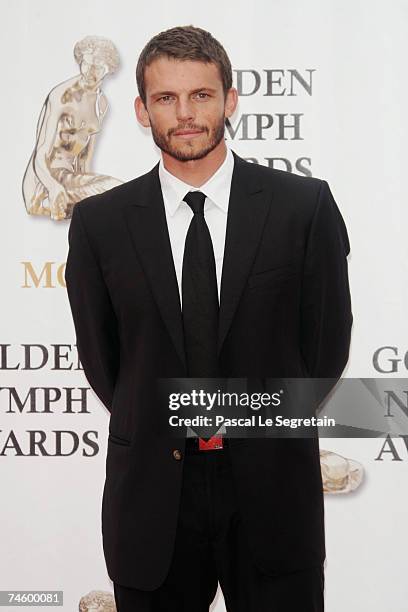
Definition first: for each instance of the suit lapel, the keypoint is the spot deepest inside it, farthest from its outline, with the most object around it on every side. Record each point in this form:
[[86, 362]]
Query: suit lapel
[[247, 212], [248, 208], [147, 222]]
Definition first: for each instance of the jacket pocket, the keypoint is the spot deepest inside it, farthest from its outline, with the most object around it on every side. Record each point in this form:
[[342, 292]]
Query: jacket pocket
[[271, 274], [118, 440]]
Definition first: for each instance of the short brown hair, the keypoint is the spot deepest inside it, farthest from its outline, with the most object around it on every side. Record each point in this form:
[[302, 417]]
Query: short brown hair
[[184, 43]]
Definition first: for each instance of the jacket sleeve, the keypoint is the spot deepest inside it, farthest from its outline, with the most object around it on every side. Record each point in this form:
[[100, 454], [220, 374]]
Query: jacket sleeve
[[92, 312], [326, 316]]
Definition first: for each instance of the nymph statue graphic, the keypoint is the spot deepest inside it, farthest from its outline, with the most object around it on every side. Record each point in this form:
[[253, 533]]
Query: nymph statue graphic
[[59, 174]]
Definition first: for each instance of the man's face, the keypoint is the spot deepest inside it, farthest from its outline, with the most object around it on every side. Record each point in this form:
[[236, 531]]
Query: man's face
[[185, 107]]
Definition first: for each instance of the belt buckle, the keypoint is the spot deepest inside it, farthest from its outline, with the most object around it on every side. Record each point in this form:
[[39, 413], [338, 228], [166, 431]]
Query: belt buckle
[[214, 443]]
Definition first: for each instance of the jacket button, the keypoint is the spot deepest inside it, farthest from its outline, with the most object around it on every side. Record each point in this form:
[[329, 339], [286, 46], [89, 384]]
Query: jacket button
[[177, 454]]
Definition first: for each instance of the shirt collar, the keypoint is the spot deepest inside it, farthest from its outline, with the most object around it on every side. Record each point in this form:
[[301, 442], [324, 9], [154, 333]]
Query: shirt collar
[[217, 188]]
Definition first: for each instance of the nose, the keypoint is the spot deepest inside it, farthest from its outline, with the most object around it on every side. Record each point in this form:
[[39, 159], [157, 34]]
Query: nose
[[184, 110]]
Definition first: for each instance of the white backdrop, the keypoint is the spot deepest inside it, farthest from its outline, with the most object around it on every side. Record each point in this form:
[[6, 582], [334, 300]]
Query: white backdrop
[[353, 130]]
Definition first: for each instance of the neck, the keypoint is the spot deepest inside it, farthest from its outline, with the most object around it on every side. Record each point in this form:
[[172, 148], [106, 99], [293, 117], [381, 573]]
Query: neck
[[198, 171]]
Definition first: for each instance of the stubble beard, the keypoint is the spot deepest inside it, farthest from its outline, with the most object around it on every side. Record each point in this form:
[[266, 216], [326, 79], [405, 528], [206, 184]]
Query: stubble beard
[[164, 143]]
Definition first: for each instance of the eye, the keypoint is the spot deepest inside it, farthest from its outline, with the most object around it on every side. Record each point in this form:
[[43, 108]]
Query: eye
[[202, 93], [165, 98]]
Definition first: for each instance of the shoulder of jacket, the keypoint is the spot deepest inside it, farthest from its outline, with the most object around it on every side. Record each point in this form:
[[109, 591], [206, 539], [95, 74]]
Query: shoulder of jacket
[[286, 179], [283, 179], [110, 200]]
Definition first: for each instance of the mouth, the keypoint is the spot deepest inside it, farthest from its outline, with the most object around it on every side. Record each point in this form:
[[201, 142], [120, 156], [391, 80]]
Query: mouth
[[187, 133]]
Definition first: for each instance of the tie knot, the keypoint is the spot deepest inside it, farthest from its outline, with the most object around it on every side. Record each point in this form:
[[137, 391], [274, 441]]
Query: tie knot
[[195, 200]]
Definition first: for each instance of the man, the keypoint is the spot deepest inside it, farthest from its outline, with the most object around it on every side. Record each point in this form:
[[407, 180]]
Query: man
[[180, 516]]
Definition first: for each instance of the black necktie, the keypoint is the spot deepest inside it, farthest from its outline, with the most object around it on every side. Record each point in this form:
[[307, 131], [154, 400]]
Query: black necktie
[[200, 307]]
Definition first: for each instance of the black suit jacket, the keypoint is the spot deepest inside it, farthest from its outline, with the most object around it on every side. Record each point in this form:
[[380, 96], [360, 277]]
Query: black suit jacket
[[285, 312]]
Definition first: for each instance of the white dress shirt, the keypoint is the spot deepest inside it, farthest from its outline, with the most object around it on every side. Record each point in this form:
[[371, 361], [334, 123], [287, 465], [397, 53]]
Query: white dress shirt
[[179, 214]]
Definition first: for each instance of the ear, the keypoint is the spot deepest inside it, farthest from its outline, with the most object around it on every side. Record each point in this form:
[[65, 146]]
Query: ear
[[141, 112], [231, 102]]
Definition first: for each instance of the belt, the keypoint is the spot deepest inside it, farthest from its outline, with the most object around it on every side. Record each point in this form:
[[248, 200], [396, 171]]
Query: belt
[[192, 445]]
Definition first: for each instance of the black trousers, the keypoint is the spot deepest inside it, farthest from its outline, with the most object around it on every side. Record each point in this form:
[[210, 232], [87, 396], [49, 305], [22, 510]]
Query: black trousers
[[211, 547]]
